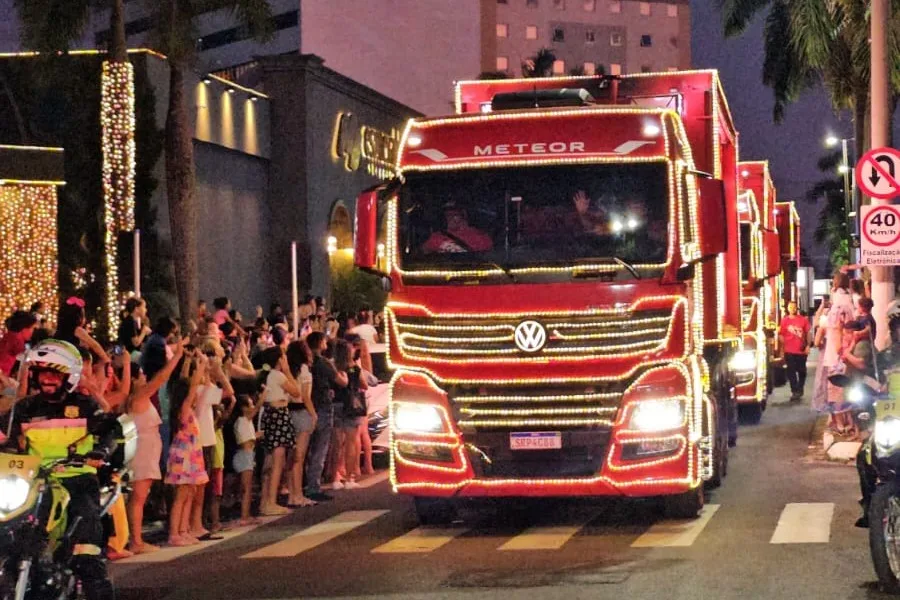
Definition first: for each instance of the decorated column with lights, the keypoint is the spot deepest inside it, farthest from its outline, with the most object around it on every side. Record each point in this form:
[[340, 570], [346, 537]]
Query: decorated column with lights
[[29, 179], [117, 131]]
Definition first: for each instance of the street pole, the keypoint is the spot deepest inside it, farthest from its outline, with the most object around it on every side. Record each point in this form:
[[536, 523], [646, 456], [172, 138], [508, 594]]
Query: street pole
[[137, 262], [295, 299], [882, 277], [848, 204]]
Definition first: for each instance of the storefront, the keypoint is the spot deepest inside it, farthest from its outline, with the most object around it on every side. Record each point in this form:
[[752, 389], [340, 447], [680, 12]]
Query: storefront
[[331, 138]]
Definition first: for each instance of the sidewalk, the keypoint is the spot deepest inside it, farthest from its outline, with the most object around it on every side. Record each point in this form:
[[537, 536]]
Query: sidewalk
[[824, 445]]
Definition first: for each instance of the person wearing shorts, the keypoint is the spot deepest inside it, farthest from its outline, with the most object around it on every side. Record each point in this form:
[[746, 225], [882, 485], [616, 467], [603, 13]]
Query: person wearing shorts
[[303, 418], [244, 463]]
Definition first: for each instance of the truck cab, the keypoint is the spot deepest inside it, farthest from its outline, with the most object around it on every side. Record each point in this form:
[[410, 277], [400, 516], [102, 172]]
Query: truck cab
[[561, 317]]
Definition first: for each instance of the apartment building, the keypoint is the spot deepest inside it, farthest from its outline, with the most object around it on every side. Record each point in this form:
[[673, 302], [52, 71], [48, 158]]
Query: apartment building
[[590, 36]]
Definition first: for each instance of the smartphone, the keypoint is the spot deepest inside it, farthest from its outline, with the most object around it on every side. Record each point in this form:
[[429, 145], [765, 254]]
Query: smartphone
[[118, 350]]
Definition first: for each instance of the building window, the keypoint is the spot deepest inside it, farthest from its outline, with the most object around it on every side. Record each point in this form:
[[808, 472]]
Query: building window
[[590, 5], [559, 67], [590, 68], [559, 4], [531, 32], [502, 30], [590, 36], [672, 10], [646, 41], [531, 3], [615, 6], [615, 69], [646, 69], [502, 63], [615, 39], [559, 35], [645, 9]]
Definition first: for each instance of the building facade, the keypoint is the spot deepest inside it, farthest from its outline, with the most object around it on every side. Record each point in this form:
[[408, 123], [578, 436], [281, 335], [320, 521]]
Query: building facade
[[590, 36]]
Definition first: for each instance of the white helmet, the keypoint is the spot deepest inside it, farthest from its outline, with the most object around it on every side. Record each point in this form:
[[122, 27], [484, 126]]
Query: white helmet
[[60, 356]]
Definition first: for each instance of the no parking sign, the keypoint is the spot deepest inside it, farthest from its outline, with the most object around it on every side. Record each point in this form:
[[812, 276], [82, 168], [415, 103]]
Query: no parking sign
[[880, 236]]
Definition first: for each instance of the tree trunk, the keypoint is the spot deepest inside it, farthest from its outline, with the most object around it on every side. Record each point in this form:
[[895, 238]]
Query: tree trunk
[[180, 191], [17, 114], [117, 51]]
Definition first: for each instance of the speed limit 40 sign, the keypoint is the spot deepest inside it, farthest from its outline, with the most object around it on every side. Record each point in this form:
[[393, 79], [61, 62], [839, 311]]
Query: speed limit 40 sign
[[880, 236]]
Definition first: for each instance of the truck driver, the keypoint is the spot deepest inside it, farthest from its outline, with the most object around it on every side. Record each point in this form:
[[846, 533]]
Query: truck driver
[[458, 236]]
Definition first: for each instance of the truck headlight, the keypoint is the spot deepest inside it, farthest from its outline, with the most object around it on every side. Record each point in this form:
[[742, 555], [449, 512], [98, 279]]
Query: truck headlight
[[887, 433], [420, 418], [657, 415], [745, 360], [13, 493]]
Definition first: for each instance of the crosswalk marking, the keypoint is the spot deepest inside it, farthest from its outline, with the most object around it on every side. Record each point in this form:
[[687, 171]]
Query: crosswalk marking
[[317, 534], [421, 540], [804, 523], [551, 537], [169, 553], [666, 534]]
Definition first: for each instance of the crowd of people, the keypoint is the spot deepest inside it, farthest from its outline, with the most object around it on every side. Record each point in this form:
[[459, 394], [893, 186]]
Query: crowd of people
[[226, 410]]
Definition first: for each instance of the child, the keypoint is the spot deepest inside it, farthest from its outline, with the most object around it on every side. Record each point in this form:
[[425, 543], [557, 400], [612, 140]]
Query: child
[[245, 435], [217, 474], [185, 467]]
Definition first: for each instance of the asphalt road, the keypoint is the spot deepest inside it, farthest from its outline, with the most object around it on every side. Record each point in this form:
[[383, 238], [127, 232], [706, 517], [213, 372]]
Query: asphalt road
[[780, 527]]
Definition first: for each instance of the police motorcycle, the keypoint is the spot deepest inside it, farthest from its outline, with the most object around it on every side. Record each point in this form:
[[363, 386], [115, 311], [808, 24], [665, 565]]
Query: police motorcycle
[[878, 462], [36, 547]]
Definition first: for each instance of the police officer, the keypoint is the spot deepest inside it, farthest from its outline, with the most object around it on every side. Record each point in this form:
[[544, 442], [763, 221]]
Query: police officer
[[55, 421]]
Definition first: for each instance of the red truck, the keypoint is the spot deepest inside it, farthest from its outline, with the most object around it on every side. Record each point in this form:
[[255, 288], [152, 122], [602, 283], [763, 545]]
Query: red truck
[[760, 273], [565, 297], [788, 222]]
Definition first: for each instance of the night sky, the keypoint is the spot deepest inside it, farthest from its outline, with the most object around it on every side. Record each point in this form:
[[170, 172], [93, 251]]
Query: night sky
[[792, 147]]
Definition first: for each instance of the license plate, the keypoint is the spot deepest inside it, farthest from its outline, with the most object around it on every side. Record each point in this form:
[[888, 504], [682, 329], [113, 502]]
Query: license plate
[[19, 464], [536, 440], [888, 408]]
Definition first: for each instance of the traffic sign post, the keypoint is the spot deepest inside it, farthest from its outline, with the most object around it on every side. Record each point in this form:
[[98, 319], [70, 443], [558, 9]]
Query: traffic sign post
[[878, 173], [880, 236]]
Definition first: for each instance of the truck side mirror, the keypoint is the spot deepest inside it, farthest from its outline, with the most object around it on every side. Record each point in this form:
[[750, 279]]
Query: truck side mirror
[[365, 239], [713, 240]]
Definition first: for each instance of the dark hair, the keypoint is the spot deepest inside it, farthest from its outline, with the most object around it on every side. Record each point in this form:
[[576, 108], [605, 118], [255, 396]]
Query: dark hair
[[273, 307], [320, 302], [20, 320], [220, 303], [40, 334], [307, 299], [271, 356], [36, 307], [298, 355], [843, 280], [342, 355], [314, 340], [278, 336], [857, 286], [165, 326], [233, 314], [201, 301], [866, 304], [227, 328], [260, 322], [70, 318], [132, 303]]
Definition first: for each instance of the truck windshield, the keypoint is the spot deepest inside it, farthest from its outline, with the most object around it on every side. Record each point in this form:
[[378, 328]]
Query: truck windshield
[[534, 216]]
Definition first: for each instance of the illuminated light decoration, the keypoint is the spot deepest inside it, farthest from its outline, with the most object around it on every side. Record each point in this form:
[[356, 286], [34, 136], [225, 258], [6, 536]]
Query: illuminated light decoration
[[331, 244], [537, 399], [638, 463], [232, 86], [118, 146], [28, 238], [88, 52], [500, 412], [651, 130]]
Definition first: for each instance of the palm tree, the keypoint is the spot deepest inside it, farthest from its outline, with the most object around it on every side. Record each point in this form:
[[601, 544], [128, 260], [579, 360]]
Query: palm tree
[[539, 65], [808, 41], [832, 231], [53, 25]]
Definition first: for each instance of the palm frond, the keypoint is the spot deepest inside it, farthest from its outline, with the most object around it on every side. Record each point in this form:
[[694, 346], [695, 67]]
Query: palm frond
[[52, 25], [782, 69], [814, 29], [737, 14]]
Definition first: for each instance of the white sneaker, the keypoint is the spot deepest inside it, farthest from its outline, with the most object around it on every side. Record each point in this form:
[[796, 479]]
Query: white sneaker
[[338, 485], [351, 485]]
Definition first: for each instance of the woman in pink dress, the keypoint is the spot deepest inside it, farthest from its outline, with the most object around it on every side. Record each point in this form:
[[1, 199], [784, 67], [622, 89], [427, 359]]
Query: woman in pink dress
[[145, 464], [185, 468]]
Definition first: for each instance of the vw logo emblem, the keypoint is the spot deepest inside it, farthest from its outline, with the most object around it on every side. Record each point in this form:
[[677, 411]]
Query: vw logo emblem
[[530, 336]]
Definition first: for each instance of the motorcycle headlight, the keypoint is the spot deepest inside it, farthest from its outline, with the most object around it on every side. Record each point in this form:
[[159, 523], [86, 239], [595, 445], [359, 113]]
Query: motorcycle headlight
[[887, 433], [656, 415], [856, 395], [420, 418], [13, 493]]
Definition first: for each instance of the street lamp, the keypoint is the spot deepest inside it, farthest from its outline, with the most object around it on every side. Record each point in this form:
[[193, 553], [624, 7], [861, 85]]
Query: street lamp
[[844, 169]]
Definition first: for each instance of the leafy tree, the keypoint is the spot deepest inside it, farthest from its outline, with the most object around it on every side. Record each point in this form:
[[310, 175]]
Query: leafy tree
[[808, 41], [53, 25], [832, 230], [539, 65]]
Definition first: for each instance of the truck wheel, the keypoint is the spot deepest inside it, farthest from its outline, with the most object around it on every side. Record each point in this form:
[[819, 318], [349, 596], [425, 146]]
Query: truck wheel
[[750, 414], [720, 464], [884, 526], [434, 511], [684, 506]]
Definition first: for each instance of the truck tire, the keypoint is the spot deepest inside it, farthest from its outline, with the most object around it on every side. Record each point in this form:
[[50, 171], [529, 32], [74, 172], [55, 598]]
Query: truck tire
[[684, 506], [434, 511], [720, 463], [750, 414], [883, 516]]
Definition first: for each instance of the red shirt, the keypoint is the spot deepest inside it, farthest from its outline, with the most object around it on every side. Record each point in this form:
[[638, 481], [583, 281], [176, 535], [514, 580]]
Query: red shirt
[[11, 345], [476, 241], [795, 331]]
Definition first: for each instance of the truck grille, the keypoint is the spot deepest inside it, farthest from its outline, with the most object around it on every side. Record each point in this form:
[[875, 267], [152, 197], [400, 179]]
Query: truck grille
[[493, 338]]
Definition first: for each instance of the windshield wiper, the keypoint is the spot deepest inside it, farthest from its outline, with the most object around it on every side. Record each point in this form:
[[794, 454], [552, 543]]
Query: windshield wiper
[[621, 262], [506, 271]]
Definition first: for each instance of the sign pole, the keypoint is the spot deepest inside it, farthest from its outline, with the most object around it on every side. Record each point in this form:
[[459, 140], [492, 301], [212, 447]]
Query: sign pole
[[295, 299], [137, 262], [882, 277]]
